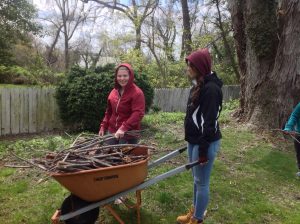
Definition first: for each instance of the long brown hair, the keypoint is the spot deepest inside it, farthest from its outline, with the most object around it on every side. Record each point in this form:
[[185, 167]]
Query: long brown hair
[[199, 80]]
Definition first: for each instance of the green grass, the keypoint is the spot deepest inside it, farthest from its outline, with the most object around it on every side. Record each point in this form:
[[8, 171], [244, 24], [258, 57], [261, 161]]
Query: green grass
[[253, 179]]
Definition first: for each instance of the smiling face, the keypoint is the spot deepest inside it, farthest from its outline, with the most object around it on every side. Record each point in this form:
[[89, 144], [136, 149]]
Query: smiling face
[[122, 76]]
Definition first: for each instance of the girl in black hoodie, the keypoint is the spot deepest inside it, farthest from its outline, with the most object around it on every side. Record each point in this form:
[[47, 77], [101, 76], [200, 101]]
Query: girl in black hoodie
[[202, 129]]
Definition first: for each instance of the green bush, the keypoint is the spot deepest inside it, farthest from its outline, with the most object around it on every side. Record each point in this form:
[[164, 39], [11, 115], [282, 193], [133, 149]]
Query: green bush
[[110, 67], [16, 75], [82, 97], [20, 75]]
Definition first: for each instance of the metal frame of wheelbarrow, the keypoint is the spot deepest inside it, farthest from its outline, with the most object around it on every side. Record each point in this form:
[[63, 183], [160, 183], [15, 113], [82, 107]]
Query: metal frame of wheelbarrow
[[137, 188]]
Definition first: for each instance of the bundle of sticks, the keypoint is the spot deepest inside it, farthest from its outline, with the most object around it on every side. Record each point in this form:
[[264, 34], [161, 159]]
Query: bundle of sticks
[[88, 152]]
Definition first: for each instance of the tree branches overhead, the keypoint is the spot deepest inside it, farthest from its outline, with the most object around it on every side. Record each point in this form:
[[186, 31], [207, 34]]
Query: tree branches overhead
[[135, 11]]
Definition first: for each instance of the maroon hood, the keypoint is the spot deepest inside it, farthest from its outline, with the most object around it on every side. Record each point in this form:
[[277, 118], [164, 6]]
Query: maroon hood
[[131, 76], [201, 60]]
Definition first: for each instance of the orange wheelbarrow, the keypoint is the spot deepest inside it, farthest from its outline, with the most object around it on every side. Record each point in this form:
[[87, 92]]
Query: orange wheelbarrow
[[91, 189]]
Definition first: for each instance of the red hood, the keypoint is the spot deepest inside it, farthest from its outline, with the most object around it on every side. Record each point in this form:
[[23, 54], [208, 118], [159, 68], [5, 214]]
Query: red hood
[[201, 60], [131, 76]]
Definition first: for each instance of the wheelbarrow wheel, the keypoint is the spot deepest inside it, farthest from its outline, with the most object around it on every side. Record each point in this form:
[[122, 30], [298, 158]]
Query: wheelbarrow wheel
[[73, 203]]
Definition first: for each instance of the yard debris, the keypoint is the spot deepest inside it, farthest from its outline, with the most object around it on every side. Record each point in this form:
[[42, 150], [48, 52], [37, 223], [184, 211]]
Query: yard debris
[[16, 166], [87, 152]]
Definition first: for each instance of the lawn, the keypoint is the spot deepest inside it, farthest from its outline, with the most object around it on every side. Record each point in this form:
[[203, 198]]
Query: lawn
[[253, 180]]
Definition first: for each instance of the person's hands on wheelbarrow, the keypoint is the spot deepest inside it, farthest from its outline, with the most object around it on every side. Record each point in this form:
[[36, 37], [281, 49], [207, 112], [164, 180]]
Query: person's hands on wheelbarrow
[[101, 132], [119, 134], [203, 158], [289, 132]]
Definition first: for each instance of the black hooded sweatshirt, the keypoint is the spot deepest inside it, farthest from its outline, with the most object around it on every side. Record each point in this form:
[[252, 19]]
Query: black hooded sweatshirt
[[201, 121]]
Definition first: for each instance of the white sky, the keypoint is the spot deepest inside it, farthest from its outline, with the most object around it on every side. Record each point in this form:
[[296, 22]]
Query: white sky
[[111, 25]]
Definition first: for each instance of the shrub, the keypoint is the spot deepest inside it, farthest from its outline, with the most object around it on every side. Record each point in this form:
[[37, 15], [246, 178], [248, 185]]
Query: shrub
[[82, 97], [20, 75], [110, 67], [16, 75]]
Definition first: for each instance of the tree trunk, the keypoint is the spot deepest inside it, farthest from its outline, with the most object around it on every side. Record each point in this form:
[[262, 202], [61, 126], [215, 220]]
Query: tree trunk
[[286, 71], [50, 59], [96, 59], [138, 38], [269, 68], [66, 51], [186, 34]]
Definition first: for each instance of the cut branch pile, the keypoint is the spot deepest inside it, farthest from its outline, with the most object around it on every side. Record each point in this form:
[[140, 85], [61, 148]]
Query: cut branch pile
[[87, 153]]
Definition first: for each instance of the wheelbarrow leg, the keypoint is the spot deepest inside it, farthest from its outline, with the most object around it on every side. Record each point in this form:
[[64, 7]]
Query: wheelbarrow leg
[[138, 205], [114, 214]]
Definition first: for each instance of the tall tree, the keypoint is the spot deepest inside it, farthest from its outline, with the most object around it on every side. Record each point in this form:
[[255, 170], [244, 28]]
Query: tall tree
[[161, 27], [16, 21], [136, 11], [50, 57], [186, 46], [267, 36], [159, 35], [72, 14]]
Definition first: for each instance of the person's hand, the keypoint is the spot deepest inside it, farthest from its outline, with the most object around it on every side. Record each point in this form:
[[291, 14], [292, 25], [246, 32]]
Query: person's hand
[[119, 134], [101, 132], [287, 132], [203, 160], [293, 133]]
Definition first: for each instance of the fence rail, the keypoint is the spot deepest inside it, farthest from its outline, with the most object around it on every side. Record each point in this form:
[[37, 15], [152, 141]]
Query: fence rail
[[35, 110]]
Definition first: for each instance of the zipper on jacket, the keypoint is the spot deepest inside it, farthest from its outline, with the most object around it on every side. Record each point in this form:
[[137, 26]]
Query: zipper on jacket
[[117, 110]]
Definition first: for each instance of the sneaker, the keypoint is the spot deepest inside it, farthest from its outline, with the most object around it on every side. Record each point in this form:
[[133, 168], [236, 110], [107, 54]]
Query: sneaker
[[184, 219], [205, 213], [120, 200]]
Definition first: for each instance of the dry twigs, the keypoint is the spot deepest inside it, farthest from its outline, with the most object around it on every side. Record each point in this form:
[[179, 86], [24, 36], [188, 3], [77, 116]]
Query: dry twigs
[[86, 153]]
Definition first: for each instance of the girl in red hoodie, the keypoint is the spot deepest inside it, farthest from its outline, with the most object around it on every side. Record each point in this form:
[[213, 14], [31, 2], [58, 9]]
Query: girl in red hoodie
[[125, 107]]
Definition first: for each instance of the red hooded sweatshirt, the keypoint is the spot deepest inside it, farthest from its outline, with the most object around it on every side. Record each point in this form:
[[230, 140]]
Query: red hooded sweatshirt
[[126, 111]]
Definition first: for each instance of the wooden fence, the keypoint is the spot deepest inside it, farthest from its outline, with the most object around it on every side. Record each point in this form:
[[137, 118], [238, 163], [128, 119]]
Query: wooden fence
[[28, 110], [170, 100], [34, 109]]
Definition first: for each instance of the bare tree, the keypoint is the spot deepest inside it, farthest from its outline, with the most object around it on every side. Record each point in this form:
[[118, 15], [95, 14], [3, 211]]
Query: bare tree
[[73, 13], [159, 35], [87, 52], [219, 22], [50, 58], [66, 17], [151, 36], [136, 12], [164, 25]]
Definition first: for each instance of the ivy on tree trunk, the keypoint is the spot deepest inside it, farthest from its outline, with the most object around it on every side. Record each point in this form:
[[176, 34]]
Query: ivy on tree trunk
[[267, 38]]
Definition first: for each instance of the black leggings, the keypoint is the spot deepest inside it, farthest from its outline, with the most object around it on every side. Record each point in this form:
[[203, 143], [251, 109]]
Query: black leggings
[[297, 149], [122, 141]]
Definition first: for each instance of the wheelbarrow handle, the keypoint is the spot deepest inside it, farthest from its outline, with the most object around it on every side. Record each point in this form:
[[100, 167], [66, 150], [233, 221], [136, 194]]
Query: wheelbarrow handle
[[144, 185], [172, 154]]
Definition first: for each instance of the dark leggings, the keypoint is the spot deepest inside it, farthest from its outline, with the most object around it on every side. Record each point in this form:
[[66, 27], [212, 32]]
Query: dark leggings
[[297, 149], [122, 141], [115, 141]]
